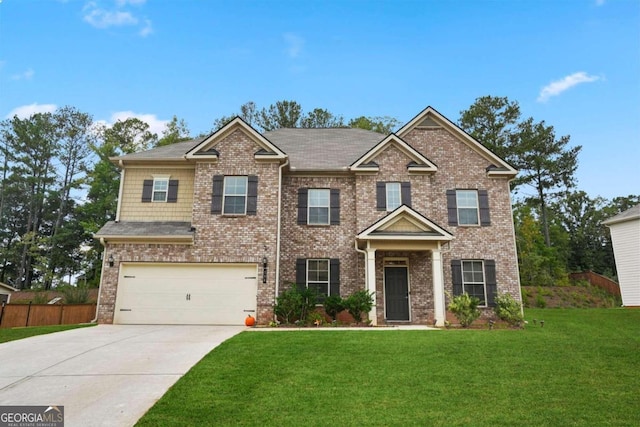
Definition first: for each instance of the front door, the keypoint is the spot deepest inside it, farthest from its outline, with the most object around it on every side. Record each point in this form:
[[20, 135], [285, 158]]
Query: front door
[[396, 293]]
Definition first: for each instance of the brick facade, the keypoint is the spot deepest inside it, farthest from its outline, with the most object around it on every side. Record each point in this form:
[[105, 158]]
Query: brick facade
[[249, 238]]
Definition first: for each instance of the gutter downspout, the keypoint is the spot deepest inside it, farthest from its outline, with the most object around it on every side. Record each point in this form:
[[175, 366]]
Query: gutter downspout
[[363, 252], [104, 244], [121, 165], [278, 232]]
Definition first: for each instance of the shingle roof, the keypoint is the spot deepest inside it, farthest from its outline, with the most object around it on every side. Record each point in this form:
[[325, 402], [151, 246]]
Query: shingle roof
[[627, 215], [308, 149], [141, 228]]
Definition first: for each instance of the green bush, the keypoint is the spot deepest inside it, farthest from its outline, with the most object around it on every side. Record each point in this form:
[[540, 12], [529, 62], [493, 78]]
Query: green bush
[[295, 305], [509, 310], [75, 294], [357, 303], [465, 308], [540, 301], [333, 305], [316, 319]]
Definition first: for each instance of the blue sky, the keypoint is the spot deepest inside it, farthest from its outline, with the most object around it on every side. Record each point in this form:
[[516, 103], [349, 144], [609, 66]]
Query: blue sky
[[574, 64]]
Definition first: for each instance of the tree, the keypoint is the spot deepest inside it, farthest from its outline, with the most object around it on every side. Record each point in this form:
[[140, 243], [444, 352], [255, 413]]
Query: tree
[[127, 136], [321, 118], [384, 125], [545, 163], [248, 113], [282, 114], [492, 120], [175, 131]]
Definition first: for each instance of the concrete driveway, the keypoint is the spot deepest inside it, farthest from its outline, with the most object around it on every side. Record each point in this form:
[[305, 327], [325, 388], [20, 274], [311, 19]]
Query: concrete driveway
[[106, 375]]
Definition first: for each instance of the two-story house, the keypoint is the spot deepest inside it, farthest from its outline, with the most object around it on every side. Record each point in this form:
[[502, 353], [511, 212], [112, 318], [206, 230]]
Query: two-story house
[[210, 230]]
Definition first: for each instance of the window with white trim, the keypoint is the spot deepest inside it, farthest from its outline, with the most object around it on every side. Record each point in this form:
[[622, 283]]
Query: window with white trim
[[318, 276], [394, 195], [235, 195], [160, 189], [473, 280], [318, 206], [467, 203]]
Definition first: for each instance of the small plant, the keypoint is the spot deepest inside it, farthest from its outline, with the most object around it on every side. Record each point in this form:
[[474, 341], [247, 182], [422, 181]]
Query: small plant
[[465, 308], [333, 305], [540, 301], [294, 305], [508, 309], [316, 319], [357, 303]]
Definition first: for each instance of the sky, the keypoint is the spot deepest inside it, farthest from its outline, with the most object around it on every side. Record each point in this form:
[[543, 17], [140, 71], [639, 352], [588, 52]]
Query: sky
[[574, 64]]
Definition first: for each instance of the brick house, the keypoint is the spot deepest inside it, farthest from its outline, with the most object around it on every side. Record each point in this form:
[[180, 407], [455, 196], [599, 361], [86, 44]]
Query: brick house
[[211, 229]]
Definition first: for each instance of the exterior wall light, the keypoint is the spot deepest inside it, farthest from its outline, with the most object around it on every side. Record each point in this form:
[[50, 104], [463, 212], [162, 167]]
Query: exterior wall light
[[111, 260]]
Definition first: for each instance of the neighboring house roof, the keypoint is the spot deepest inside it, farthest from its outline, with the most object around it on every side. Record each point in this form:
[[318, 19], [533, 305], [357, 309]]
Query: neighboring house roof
[[175, 151], [332, 149], [628, 215], [156, 230], [7, 287]]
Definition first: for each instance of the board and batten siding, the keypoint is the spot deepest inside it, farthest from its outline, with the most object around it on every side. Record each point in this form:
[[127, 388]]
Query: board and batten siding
[[133, 209], [625, 237]]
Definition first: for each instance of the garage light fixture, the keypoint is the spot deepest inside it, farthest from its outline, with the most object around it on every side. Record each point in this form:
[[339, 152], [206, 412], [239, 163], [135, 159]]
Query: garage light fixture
[[111, 260]]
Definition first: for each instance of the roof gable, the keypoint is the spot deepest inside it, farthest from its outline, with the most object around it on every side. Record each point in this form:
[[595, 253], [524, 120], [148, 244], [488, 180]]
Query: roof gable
[[405, 223], [431, 118], [417, 162], [206, 149]]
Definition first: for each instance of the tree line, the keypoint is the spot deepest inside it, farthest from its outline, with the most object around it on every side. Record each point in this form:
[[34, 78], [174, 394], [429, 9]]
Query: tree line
[[58, 187]]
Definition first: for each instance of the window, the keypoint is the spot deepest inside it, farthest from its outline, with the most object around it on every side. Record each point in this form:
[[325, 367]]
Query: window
[[318, 207], [473, 280], [318, 276], [235, 195], [394, 197], [467, 202], [160, 189]]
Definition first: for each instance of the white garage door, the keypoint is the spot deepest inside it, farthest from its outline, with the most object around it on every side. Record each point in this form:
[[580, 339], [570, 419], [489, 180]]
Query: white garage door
[[195, 294]]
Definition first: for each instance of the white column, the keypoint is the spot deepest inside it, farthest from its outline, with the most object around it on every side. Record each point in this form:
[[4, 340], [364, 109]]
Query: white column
[[371, 283], [438, 287]]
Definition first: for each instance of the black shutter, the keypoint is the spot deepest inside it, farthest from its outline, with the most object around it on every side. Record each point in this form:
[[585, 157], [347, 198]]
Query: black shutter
[[302, 205], [452, 207], [216, 199], [456, 276], [381, 196], [490, 281], [301, 274], [334, 203], [405, 192], [483, 201], [147, 190], [252, 195], [334, 279], [172, 195]]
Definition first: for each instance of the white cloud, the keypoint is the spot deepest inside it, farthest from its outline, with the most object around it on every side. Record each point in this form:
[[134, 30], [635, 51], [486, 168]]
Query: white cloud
[[26, 75], [121, 3], [294, 43], [599, 2], [101, 18], [156, 125], [555, 88], [26, 111], [147, 29]]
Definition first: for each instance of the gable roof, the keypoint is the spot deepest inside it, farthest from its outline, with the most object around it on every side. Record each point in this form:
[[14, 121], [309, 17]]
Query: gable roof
[[7, 287], [418, 163], [419, 227], [628, 215], [330, 149], [430, 118]]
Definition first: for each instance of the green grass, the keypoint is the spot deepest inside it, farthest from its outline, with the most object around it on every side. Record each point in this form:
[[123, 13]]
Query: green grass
[[580, 369], [20, 333]]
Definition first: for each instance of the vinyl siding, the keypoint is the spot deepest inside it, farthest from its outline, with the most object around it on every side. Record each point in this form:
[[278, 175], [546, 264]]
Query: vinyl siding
[[626, 247]]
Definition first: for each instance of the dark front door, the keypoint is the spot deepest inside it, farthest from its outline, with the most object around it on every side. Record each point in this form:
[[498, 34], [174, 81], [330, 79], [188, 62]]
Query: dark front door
[[396, 293]]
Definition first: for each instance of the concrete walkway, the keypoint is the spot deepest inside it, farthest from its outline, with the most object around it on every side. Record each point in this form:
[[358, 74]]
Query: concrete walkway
[[107, 375]]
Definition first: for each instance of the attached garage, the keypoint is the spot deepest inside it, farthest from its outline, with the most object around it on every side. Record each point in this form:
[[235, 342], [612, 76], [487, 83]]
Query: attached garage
[[193, 294]]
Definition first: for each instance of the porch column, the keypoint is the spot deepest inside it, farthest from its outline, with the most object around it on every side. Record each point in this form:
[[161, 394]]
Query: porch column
[[371, 283], [438, 287]]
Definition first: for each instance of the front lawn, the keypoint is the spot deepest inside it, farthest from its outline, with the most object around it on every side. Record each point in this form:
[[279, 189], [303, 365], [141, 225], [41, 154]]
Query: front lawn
[[581, 368], [12, 334]]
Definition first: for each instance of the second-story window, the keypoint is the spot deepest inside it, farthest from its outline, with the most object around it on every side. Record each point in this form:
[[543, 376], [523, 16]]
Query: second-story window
[[467, 202], [160, 189], [318, 206], [394, 197], [235, 195]]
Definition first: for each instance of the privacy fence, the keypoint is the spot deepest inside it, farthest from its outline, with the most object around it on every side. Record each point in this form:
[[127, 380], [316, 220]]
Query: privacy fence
[[14, 315], [598, 280]]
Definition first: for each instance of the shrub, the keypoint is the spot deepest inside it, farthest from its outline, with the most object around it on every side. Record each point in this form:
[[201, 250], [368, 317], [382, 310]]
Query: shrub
[[295, 305], [316, 318], [465, 308], [75, 294], [333, 305], [508, 309], [357, 303], [540, 301]]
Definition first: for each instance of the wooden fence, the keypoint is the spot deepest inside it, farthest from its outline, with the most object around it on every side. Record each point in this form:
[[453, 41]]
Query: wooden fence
[[598, 280], [14, 315]]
